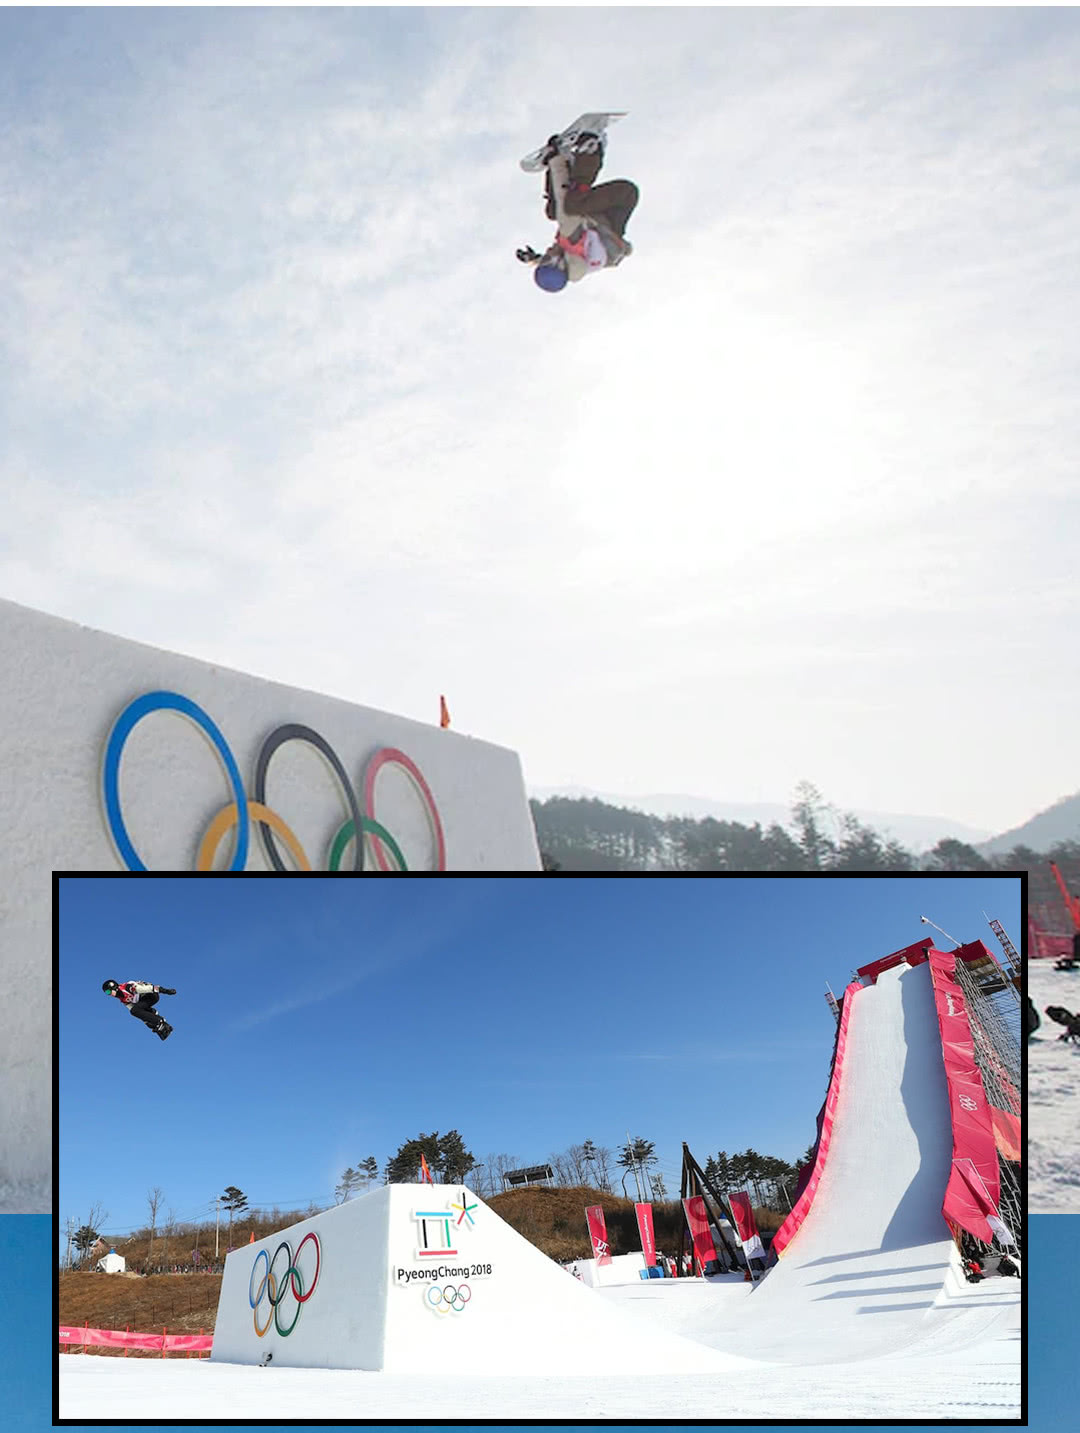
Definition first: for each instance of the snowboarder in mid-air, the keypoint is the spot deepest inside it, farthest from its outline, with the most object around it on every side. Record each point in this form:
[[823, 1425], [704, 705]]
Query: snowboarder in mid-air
[[140, 1000], [591, 218]]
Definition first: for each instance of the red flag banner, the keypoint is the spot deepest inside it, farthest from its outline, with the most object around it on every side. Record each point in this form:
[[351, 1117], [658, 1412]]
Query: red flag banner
[[697, 1217], [996, 1224], [444, 712], [594, 1217], [743, 1213], [973, 1131], [793, 1223], [645, 1229], [425, 1173]]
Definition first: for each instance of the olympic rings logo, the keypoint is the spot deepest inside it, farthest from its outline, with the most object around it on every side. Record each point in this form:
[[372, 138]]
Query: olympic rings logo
[[275, 1289], [362, 829], [448, 1299]]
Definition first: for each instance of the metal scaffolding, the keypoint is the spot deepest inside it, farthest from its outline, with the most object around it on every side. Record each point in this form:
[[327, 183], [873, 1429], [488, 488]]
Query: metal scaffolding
[[992, 994]]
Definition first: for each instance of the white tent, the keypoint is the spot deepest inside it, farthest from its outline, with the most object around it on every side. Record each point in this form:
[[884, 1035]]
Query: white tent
[[112, 1263]]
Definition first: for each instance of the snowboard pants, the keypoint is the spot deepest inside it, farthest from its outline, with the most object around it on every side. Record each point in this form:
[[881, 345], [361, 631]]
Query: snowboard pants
[[612, 202], [143, 1010]]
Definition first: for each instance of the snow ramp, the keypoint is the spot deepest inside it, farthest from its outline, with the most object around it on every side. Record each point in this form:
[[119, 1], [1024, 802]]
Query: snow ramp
[[873, 1270], [423, 1279]]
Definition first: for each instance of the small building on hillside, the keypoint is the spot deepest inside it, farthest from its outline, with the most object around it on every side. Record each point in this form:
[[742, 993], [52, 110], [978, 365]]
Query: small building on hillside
[[112, 1263], [535, 1174]]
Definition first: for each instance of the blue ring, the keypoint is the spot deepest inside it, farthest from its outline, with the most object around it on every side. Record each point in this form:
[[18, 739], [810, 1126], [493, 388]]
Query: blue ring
[[262, 1254], [133, 713]]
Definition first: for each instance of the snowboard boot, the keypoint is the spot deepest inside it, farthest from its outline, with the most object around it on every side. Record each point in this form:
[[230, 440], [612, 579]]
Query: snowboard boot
[[163, 1029]]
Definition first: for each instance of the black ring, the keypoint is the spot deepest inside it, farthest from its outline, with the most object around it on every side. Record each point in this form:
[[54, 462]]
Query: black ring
[[293, 731]]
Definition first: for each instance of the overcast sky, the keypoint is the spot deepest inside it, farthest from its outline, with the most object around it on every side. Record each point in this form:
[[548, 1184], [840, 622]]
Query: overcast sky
[[790, 494]]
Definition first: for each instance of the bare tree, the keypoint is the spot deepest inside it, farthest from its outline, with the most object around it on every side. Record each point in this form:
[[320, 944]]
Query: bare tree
[[153, 1201], [168, 1228], [562, 1168], [496, 1166], [603, 1159], [578, 1159], [88, 1234]]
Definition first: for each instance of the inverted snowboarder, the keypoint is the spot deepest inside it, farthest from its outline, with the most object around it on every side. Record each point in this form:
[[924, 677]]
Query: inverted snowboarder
[[590, 218], [140, 1000]]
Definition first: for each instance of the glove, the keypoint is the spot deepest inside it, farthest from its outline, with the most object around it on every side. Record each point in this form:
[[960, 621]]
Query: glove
[[164, 990]]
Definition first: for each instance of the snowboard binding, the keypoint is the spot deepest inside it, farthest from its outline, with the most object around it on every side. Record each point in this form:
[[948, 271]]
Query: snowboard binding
[[162, 1029]]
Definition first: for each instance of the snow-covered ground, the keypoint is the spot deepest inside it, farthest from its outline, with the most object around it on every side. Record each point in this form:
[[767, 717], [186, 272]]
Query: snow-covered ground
[[1053, 1075], [981, 1381]]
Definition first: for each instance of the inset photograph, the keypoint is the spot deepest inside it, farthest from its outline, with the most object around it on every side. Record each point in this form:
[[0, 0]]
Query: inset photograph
[[569, 1149]]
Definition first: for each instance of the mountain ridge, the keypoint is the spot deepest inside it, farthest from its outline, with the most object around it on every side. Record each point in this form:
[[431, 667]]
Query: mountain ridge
[[913, 831]]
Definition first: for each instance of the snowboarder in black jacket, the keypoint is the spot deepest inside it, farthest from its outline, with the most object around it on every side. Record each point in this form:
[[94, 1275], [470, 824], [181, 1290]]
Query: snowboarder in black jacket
[[140, 999]]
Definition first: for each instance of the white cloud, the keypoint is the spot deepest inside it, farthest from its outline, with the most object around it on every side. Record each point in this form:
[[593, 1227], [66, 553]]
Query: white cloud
[[714, 521]]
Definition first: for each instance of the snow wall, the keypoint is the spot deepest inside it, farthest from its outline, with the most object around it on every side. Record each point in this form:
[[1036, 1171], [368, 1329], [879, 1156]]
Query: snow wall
[[115, 755], [427, 1279]]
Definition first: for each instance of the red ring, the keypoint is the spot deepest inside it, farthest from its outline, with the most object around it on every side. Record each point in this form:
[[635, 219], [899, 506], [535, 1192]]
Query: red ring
[[389, 755], [303, 1298]]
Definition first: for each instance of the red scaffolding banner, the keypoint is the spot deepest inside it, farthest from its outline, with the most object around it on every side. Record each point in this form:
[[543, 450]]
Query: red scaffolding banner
[[793, 1223], [742, 1211], [973, 1133], [697, 1217], [594, 1217], [645, 1229]]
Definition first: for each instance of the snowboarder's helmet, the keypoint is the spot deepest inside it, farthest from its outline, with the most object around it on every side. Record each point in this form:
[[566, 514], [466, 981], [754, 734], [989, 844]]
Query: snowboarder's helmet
[[550, 277], [109, 986]]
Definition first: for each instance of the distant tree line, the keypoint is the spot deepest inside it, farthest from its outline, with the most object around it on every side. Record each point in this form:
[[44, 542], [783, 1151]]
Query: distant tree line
[[590, 835], [769, 1181]]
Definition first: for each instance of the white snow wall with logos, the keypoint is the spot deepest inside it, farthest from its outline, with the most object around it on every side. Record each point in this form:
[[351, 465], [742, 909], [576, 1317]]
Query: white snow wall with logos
[[63, 688]]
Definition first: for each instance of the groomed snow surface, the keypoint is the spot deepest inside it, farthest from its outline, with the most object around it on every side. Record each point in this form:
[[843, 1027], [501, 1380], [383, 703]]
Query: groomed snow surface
[[1053, 1073], [865, 1317]]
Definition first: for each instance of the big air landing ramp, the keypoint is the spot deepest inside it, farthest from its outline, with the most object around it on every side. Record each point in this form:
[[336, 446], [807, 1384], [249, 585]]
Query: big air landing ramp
[[427, 1279]]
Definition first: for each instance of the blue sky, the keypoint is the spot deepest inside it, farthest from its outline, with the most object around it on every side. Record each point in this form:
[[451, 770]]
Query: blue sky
[[274, 392], [321, 1020]]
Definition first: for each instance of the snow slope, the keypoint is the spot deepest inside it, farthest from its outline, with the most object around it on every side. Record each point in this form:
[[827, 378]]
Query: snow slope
[[873, 1271]]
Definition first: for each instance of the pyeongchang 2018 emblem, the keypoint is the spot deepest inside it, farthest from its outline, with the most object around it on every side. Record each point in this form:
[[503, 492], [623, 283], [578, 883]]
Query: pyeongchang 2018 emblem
[[443, 1267]]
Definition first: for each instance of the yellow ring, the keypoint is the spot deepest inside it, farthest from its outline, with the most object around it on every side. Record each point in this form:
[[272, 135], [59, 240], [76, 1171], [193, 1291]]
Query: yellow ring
[[255, 1310], [226, 819]]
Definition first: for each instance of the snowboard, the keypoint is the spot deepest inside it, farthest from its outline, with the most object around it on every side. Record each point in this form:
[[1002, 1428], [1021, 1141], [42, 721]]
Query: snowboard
[[584, 124], [164, 1030]]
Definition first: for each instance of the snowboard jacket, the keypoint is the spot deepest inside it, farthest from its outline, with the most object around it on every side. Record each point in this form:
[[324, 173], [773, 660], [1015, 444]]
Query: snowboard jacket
[[132, 990], [563, 173]]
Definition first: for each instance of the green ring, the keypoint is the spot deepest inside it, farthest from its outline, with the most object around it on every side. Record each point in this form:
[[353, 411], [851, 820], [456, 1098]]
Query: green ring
[[289, 1273], [348, 832]]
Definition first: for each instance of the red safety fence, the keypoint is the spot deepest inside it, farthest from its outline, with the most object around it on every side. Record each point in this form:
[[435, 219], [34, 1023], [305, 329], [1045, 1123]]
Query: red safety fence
[[164, 1341]]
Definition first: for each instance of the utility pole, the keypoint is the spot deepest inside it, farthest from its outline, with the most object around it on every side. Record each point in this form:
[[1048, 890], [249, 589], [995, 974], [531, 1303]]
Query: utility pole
[[70, 1235], [633, 1165], [217, 1227]]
